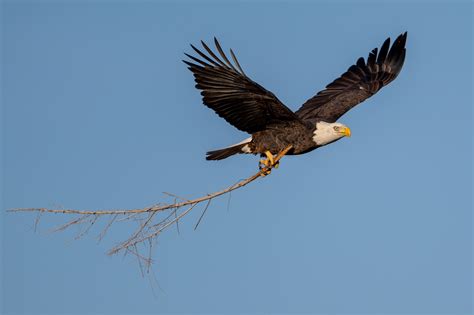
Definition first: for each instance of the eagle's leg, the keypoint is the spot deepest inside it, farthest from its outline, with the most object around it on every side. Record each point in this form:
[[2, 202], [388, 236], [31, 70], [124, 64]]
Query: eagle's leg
[[267, 164]]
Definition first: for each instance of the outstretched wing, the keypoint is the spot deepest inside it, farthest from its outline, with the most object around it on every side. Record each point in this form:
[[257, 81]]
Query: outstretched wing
[[360, 82], [232, 95]]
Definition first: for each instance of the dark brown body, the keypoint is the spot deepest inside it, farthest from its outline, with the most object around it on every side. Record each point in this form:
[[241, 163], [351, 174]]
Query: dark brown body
[[277, 137]]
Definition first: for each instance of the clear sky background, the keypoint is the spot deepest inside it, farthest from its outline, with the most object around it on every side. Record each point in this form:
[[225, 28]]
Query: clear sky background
[[100, 112]]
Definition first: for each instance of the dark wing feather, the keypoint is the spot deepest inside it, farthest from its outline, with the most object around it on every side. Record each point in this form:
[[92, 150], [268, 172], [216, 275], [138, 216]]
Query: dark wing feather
[[234, 96], [358, 83]]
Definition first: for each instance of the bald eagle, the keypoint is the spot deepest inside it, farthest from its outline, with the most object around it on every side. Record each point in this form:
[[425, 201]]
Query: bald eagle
[[226, 89]]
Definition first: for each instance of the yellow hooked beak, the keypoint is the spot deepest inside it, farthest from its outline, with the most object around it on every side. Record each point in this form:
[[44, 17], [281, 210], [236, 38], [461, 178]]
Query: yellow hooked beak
[[346, 131]]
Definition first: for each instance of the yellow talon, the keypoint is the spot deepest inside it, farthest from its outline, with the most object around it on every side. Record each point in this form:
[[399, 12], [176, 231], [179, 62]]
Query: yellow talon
[[270, 158], [266, 165]]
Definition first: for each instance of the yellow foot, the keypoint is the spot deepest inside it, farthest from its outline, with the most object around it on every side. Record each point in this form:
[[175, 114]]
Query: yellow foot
[[270, 158], [266, 165], [267, 162]]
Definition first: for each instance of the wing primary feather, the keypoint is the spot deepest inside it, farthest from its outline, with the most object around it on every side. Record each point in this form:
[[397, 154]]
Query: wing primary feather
[[197, 60], [203, 55], [397, 47], [237, 63], [383, 51], [372, 57], [219, 49], [209, 50], [191, 65], [400, 62]]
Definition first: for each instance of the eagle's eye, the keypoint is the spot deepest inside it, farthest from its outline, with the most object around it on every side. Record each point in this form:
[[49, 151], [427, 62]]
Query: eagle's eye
[[336, 128]]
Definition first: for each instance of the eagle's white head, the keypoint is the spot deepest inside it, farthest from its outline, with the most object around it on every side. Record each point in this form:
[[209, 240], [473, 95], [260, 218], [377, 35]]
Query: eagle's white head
[[326, 133]]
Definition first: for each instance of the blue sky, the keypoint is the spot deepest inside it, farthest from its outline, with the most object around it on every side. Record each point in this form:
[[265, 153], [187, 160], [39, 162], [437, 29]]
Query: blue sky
[[99, 112]]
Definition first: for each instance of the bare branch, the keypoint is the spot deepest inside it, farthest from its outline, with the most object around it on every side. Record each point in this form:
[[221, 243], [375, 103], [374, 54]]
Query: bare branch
[[150, 225]]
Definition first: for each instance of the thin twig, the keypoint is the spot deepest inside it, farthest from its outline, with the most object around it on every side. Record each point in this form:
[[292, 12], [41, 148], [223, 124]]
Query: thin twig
[[176, 219], [175, 196], [202, 214], [228, 201], [106, 228], [72, 222], [89, 226], [37, 220]]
